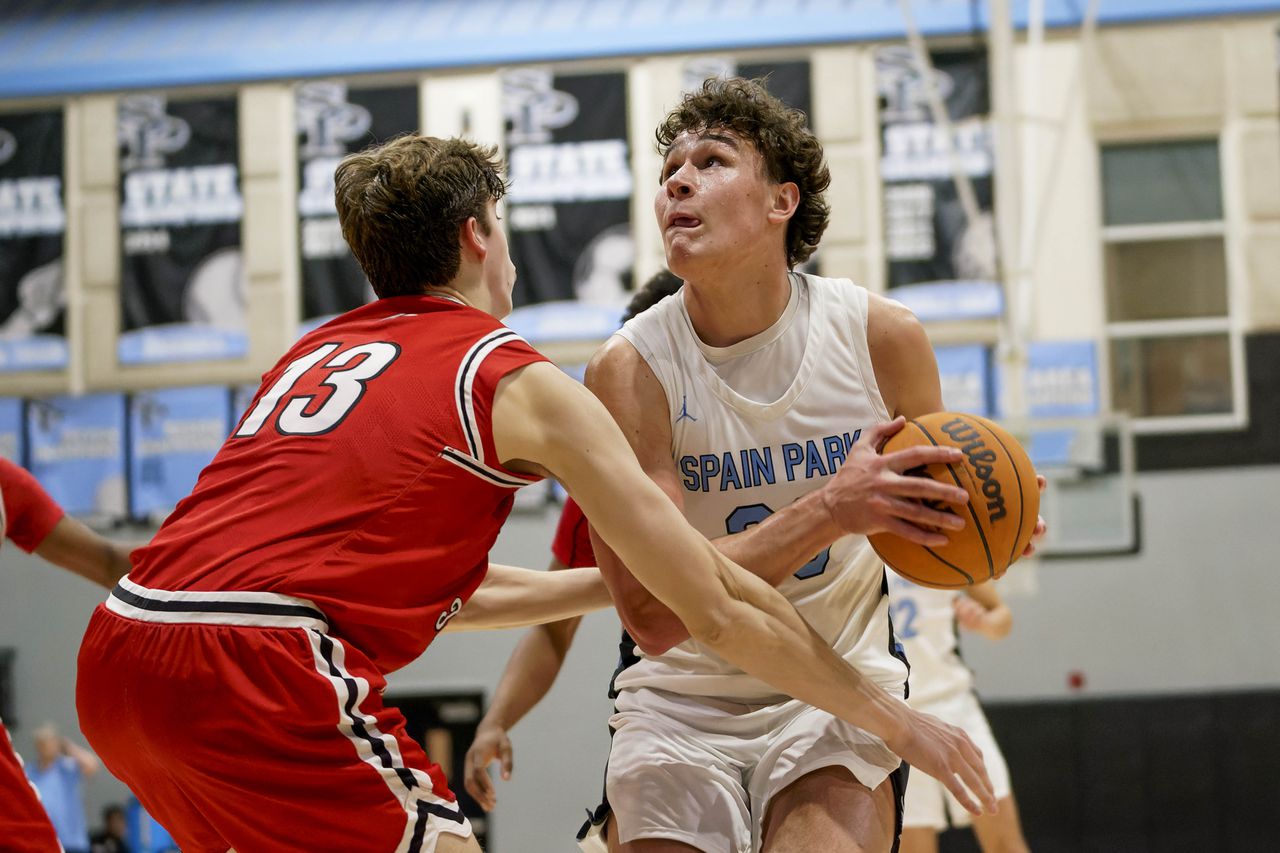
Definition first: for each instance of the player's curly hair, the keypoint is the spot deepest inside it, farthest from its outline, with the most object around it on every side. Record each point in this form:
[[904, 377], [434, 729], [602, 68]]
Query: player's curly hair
[[790, 150], [402, 203]]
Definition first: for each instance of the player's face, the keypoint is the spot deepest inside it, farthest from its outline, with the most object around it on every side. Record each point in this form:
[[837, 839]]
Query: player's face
[[499, 271], [713, 202]]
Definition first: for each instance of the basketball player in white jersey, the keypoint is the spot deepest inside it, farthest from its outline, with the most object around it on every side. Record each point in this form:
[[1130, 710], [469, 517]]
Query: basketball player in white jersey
[[927, 621], [757, 398]]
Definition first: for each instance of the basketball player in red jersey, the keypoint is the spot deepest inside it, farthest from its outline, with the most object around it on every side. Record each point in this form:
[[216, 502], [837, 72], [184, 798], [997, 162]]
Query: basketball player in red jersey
[[35, 523], [233, 679]]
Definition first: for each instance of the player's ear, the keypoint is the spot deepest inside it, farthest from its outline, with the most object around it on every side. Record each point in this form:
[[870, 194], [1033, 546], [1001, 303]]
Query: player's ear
[[474, 241], [786, 198]]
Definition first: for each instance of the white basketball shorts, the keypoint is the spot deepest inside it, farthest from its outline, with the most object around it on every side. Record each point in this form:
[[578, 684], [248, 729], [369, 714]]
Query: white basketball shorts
[[703, 770]]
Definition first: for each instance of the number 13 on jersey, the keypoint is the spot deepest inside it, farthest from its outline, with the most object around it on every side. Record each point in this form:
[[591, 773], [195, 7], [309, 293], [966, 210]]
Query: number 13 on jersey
[[348, 372]]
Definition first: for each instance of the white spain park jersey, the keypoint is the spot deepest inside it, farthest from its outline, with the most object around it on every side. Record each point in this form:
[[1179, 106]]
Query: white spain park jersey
[[756, 426]]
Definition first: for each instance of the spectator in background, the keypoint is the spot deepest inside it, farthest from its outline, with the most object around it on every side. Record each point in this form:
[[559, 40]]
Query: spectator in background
[[113, 837], [57, 773]]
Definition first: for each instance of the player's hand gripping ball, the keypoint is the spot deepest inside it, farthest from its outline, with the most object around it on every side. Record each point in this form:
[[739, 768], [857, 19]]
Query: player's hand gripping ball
[[1004, 502]]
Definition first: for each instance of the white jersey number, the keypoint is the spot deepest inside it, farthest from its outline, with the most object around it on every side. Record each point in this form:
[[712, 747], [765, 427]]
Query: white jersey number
[[348, 387]]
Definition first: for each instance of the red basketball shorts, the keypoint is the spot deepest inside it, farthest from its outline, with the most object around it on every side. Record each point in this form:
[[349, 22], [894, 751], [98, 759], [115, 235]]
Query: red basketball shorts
[[24, 826], [239, 722]]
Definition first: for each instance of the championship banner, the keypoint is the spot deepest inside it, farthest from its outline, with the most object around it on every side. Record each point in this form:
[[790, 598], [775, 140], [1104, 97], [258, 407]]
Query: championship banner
[[183, 286], [334, 121], [173, 435], [928, 237], [77, 452], [32, 221], [12, 446], [569, 208]]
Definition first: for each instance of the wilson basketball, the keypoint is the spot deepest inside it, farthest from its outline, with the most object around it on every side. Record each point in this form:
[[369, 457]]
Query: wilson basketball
[[1000, 517]]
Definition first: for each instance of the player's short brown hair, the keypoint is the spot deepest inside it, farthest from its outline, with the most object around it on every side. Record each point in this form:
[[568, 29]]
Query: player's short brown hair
[[402, 204], [789, 149]]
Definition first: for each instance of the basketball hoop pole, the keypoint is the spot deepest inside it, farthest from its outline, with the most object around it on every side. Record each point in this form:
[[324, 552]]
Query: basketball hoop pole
[[1011, 229], [1020, 134]]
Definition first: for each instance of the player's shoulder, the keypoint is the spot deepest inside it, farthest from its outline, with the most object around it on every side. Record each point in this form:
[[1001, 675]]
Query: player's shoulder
[[891, 312], [628, 386], [660, 334], [633, 345], [616, 362], [893, 326]]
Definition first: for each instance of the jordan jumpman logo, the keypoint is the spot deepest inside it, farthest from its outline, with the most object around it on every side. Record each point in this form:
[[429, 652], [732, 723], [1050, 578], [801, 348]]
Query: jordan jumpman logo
[[684, 410]]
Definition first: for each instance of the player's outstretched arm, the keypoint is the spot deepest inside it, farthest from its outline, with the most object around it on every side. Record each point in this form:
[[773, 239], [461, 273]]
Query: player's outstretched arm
[[530, 672], [870, 493], [512, 597], [74, 547], [545, 422], [36, 524]]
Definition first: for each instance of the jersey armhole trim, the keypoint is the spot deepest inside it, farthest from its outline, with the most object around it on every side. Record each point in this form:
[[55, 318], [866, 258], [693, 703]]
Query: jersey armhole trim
[[483, 471], [472, 459]]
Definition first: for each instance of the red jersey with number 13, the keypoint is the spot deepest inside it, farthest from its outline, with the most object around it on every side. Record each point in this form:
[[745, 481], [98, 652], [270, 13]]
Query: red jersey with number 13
[[363, 477]]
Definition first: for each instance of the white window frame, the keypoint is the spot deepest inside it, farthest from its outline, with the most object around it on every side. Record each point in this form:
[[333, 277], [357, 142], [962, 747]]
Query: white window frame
[[1229, 324]]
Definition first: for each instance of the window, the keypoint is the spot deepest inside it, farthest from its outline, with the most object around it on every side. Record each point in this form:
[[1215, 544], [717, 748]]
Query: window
[[1174, 352]]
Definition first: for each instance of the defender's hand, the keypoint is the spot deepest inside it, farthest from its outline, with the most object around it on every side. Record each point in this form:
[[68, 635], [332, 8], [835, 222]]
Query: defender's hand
[[491, 744], [872, 494], [946, 753]]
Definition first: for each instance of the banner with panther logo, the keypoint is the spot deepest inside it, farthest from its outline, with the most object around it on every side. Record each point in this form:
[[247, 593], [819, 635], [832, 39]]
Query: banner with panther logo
[[183, 288], [929, 239], [332, 122], [32, 222], [569, 208]]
